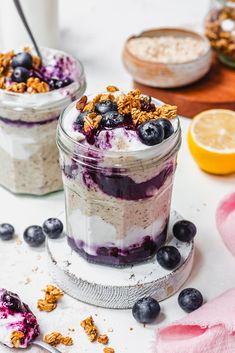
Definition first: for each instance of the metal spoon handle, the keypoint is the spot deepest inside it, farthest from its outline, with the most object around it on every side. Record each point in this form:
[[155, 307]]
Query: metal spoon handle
[[22, 16], [45, 346]]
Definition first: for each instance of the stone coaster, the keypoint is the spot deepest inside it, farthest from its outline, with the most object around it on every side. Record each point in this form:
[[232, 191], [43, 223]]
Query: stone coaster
[[117, 288]]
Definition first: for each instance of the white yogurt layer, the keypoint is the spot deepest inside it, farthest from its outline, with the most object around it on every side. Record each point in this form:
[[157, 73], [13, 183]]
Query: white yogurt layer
[[95, 232]]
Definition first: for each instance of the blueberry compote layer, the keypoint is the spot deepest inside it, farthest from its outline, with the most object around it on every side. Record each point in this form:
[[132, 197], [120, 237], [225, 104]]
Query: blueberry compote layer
[[118, 158], [16, 320]]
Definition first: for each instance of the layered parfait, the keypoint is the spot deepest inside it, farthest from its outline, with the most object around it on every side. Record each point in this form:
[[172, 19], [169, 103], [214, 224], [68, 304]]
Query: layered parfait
[[33, 92], [18, 325], [118, 158]]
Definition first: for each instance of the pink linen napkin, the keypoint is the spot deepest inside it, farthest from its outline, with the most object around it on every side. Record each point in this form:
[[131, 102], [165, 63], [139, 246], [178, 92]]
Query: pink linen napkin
[[210, 329]]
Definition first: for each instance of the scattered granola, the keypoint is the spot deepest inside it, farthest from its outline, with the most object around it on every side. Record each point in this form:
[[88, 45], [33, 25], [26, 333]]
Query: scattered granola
[[52, 295], [90, 328], [56, 338], [108, 350], [112, 89], [16, 338], [103, 339]]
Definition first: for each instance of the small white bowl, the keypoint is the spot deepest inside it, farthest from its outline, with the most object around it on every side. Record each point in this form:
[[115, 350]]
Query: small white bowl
[[168, 75]]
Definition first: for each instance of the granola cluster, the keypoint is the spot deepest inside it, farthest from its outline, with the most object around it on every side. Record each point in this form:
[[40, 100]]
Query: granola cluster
[[220, 31], [90, 328], [16, 338], [136, 108], [32, 84], [52, 295], [55, 338]]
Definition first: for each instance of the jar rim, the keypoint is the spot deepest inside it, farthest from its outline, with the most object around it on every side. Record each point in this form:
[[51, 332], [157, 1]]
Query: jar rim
[[174, 139]]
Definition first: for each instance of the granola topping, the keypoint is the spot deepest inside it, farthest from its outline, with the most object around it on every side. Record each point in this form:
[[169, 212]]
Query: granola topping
[[90, 328], [52, 295], [56, 338]]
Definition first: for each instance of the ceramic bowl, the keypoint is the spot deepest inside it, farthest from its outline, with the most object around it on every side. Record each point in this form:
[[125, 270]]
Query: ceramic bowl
[[157, 74]]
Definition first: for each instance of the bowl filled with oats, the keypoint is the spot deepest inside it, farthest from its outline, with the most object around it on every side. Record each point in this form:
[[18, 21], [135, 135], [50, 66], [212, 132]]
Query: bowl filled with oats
[[33, 92], [167, 57]]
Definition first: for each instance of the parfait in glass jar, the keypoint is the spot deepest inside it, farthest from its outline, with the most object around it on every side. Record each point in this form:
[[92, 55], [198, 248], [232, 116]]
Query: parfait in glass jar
[[118, 158]]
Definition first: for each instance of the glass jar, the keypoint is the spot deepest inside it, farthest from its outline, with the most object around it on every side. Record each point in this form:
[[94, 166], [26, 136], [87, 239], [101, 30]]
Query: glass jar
[[28, 153], [117, 203], [220, 30]]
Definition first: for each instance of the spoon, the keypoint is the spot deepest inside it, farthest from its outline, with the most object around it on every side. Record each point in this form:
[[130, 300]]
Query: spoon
[[45, 346], [26, 25]]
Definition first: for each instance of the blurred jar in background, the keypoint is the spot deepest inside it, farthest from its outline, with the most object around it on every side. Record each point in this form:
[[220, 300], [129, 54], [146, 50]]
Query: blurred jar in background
[[42, 16], [220, 30]]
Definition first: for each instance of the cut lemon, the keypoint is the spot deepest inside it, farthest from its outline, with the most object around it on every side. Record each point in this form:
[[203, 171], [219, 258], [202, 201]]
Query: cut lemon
[[211, 140]]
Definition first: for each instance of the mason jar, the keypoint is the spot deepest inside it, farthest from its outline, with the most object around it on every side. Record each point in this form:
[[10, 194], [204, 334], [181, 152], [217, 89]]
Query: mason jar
[[117, 203], [28, 153], [220, 30]]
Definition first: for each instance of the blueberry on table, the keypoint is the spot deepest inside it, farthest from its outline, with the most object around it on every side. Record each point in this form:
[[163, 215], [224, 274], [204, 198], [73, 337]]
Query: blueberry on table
[[190, 299], [168, 257], [23, 59], [167, 127], [184, 230], [105, 106], [7, 231], [151, 133], [146, 310], [20, 74], [53, 228], [34, 236], [112, 119]]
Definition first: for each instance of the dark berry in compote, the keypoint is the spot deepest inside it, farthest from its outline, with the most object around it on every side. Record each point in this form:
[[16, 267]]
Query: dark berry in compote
[[12, 301], [105, 106], [151, 133], [167, 127], [34, 236], [146, 104], [112, 119], [168, 257], [23, 59], [184, 230], [7, 231], [53, 228], [146, 310], [80, 118], [20, 74], [190, 299], [56, 83]]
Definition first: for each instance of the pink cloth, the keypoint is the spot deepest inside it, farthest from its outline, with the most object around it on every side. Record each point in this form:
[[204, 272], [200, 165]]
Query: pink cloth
[[225, 220], [210, 329]]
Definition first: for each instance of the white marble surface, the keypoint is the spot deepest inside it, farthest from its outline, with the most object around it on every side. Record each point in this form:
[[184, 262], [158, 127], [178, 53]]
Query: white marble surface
[[95, 31]]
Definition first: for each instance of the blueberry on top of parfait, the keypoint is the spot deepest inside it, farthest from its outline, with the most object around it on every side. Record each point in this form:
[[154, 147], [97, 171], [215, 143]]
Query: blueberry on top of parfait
[[23, 59], [105, 106], [151, 133], [112, 119]]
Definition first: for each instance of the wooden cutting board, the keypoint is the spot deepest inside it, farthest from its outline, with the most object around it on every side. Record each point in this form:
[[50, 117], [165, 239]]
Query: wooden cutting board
[[215, 90]]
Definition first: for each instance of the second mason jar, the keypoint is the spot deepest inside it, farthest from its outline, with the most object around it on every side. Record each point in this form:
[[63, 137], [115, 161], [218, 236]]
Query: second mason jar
[[117, 190]]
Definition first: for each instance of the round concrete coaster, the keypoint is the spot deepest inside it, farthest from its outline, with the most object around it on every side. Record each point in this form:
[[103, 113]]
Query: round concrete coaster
[[117, 288]]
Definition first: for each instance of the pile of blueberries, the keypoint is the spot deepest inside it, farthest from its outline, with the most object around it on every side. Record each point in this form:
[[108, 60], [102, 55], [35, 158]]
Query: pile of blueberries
[[22, 64], [147, 309], [151, 132]]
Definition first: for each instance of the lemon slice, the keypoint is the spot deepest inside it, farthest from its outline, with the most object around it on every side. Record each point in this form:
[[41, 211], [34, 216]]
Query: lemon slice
[[211, 140]]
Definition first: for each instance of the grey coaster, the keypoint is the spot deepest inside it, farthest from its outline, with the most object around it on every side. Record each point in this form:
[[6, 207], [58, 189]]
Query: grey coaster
[[117, 288]]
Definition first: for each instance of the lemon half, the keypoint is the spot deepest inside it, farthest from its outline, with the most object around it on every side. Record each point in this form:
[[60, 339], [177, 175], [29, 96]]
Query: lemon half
[[211, 140]]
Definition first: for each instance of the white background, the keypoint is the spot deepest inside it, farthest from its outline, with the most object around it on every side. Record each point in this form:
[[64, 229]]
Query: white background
[[95, 31]]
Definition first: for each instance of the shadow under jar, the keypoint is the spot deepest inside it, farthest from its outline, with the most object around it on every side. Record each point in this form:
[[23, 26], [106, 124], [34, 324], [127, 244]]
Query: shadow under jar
[[28, 154], [117, 203]]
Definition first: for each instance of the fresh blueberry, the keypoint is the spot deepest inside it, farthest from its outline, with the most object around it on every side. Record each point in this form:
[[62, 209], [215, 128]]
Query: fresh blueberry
[[146, 310], [22, 59], [12, 301], [168, 257], [105, 106], [56, 83], [80, 118], [167, 127], [112, 119], [53, 228], [151, 133], [34, 236], [20, 74], [7, 231], [190, 299], [184, 230]]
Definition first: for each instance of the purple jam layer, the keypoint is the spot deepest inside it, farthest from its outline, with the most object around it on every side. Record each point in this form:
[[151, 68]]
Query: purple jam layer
[[115, 257], [22, 123], [11, 305]]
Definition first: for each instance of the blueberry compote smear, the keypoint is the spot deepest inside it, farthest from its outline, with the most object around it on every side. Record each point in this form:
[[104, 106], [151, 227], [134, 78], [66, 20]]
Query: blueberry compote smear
[[16, 316]]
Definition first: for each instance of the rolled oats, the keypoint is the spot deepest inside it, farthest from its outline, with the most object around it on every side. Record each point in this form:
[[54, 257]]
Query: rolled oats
[[90, 328]]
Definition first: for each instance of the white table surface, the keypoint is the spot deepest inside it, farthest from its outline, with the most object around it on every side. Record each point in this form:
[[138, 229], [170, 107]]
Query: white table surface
[[95, 31]]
